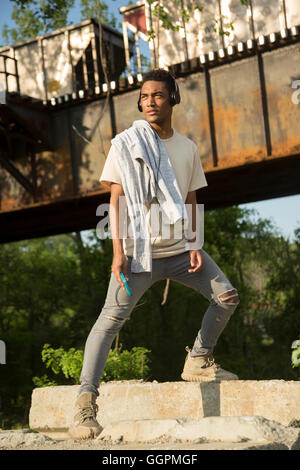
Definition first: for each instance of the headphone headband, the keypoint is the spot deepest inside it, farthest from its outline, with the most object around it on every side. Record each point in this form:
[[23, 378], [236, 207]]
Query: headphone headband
[[174, 95]]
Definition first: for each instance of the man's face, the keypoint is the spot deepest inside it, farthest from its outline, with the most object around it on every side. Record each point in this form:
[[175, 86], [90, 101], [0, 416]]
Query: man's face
[[155, 102]]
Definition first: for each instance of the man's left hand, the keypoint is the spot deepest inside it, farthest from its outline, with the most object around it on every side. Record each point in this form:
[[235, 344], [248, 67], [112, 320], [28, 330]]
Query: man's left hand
[[195, 260]]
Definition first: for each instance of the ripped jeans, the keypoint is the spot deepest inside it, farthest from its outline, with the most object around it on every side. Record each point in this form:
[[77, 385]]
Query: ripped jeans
[[210, 281]]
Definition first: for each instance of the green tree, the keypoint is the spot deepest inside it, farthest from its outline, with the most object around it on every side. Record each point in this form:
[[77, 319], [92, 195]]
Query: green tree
[[250, 253], [186, 10], [36, 17], [45, 298], [53, 289], [97, 9], [120, 365]]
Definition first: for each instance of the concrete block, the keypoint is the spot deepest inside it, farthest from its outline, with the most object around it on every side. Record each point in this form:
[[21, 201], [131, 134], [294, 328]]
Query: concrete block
[[52, 408], [23, 437], [236, 429], [210, 429], [277, 400], [140, 430]]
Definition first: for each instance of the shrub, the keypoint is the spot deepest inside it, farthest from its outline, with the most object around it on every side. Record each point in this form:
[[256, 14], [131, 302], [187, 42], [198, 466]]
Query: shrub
[[296, 353], [125, 365]]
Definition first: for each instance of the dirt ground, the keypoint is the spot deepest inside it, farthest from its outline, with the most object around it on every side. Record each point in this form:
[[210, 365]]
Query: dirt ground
[[118, 447]]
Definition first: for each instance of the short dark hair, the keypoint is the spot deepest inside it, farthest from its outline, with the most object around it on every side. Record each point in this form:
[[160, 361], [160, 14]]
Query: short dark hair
[[160, 75]]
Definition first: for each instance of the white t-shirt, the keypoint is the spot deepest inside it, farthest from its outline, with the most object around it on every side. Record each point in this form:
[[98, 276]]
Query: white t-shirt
[[185, 160]]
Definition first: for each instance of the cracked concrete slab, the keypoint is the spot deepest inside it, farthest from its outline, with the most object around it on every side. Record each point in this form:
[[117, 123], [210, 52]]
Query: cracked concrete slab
[[52, 408], [211, 433], [230, 429]]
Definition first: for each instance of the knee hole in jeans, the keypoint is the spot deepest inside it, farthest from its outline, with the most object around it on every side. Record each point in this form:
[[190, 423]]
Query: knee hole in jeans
[[109, 324], [229, 297], [115, 319]]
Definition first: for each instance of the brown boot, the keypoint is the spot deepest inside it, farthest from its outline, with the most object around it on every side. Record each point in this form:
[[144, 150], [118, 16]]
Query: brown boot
[[204, 369], [85, 425]]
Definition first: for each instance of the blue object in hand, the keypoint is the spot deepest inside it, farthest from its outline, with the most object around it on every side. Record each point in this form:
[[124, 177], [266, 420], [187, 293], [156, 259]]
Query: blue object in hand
[[125, 283]]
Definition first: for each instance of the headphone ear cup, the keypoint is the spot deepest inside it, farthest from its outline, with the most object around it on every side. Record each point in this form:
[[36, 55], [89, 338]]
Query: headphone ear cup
[[172, 98], [175, 95], [139, 104]]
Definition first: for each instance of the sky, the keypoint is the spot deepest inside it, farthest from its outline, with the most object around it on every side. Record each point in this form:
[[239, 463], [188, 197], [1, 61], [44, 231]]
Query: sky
[[284, 212]]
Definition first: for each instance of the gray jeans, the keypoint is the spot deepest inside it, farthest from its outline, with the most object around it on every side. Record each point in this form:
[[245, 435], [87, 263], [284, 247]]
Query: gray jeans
[[210, 281]]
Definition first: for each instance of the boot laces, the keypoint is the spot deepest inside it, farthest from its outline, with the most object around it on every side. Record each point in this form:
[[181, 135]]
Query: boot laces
[[88, 413], [211, 362]]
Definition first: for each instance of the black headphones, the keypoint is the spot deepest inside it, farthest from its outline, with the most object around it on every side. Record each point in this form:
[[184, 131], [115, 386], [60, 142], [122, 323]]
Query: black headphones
[[174, 95]]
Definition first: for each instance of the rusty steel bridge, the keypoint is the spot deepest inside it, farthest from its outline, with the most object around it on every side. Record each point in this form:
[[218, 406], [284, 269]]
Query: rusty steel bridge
[[240, 107]]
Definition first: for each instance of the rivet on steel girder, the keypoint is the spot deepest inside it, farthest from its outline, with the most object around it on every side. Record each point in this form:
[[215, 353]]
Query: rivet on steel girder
[[211, 55], [240, 47], [283, 33], [231, 50], [249, 43], [221, 53]]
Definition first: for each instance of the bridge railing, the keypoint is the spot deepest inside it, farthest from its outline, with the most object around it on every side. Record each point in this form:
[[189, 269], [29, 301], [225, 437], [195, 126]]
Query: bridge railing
[[9, 78], [68, 60]]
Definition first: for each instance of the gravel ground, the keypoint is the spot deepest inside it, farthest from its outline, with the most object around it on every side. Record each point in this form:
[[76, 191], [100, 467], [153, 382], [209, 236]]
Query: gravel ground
[[28, 440]]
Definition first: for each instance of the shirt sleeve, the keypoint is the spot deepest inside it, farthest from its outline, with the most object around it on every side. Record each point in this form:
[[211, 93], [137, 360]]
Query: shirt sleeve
[[110, 173], [198, 179]]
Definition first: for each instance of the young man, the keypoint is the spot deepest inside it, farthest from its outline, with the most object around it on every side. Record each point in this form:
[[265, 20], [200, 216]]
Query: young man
[[170, 257]]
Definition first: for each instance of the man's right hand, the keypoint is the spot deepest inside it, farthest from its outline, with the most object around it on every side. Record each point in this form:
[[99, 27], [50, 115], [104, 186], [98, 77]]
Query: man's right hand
[[120, 264]]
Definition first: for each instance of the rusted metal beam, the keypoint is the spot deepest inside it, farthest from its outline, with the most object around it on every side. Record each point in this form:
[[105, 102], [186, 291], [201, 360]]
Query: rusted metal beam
[[10, 167], [231, 186], [41, 220], [268, 179], [241, 117], [29, 130], [209, 98], [264, 102]]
